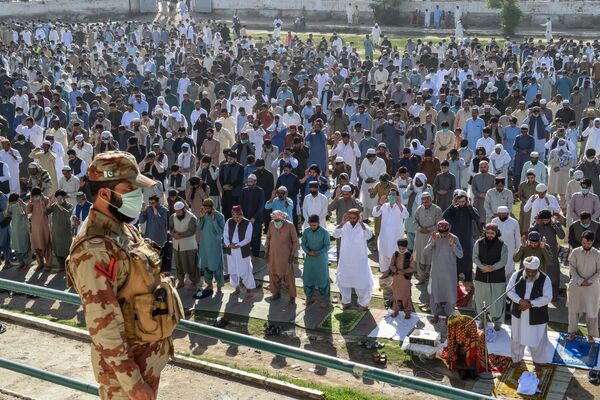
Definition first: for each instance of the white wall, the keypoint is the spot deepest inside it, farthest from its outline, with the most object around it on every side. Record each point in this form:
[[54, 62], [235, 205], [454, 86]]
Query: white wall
[[539, 8], [60, 8]]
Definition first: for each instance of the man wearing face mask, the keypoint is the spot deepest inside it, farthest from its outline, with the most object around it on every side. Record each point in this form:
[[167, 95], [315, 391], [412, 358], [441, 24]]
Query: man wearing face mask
[[117, 274], [280, 249], [444, 249], [583, 291], [591, 169], [584, 223], [393, 214], [60, 222], [583, 200], [314, 203]]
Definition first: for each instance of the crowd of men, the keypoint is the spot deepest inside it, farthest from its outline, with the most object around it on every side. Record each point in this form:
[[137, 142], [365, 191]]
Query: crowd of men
[[272, 146]]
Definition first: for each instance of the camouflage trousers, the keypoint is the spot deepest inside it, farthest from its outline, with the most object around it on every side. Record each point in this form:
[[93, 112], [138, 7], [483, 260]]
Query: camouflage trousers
[[151, 359]]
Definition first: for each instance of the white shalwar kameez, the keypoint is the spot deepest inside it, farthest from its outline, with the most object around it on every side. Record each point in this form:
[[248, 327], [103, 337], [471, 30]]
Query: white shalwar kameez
[[350, 153], [368, 170], [238, 267], [13, 168], [522, 332], [315, 205], [392, 229], [353, 270], [511, 236]]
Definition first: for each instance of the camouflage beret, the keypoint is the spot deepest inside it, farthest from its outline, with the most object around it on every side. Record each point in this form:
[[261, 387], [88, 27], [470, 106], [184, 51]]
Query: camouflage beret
[[117, 166]]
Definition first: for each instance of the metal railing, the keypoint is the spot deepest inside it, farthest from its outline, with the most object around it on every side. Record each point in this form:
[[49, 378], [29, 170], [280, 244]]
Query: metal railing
[[323, 360]]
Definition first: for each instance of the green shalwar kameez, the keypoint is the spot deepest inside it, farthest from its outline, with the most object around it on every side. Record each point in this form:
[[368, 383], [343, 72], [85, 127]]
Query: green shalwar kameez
[[316, 270], [210, 252], [19, 234], [60, 230]]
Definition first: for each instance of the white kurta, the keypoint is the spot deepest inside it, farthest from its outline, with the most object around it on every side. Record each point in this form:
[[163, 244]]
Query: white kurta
[[71, 187], [522, 332], [12, 159], [349, 152], [315, 205], [238, 266], [593, 138], [538, 204], [368, 170], [511, 236], [353, 269], [392, 229]]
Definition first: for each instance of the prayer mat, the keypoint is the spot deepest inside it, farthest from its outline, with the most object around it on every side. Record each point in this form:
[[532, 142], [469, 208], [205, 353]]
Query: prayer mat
[[578, 353], [341, 321], [506, 386]]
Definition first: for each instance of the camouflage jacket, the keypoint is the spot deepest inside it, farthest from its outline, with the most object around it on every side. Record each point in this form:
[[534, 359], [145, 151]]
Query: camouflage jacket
[[97, 269]]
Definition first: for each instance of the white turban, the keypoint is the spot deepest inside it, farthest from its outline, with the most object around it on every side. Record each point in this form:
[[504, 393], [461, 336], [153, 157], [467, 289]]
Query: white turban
[[531, 262]]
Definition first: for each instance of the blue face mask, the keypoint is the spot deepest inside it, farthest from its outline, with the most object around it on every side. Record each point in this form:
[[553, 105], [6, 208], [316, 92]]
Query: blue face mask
[[585, 190], [585, 226], [131, 203]]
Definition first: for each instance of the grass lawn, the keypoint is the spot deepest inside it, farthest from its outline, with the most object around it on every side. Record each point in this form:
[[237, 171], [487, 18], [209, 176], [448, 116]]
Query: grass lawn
[[357, 39]]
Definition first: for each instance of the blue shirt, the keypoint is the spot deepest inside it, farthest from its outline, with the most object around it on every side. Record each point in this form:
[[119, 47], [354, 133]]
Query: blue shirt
[[473, 131], [286, 205]]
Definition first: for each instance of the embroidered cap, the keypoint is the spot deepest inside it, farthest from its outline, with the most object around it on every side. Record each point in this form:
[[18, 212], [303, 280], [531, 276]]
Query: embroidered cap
[[117, 166]]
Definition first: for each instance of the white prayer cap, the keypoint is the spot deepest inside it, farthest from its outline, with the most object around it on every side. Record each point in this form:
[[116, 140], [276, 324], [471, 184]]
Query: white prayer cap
[[565, 101], [541, 188], [531, 262], [534, 154], [168, 135], [174, 108], [282, 189], [105, 134], [371, 151], [499, 146], [47, 109], [543, 101], [531, 171], [273, 101], [346, 188], [339, 159], [578, 175], [66, 168], [252, 176], [79, 138], [502, 209], [178, 206], [525, 126]]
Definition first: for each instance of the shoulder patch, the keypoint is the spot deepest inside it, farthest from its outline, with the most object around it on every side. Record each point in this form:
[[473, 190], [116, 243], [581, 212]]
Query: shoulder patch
[[110, 271], [96, 240]]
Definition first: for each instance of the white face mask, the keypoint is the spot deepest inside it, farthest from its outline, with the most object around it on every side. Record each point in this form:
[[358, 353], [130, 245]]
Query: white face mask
[[131, 202]]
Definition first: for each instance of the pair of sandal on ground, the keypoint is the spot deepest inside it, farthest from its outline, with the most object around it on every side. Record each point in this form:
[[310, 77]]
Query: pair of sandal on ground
[[379, 357]]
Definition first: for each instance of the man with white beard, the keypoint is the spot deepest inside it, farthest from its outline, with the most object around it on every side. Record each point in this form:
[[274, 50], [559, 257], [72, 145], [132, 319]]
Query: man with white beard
[[353, 270], [531, 292], [511, 236]]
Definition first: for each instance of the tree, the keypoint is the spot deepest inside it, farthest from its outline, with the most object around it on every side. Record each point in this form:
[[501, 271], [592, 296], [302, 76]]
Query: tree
[[386, 11], [510, 14]]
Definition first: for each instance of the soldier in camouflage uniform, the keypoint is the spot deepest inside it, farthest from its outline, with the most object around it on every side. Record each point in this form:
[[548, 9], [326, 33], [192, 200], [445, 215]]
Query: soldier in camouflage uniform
[[130, 308]]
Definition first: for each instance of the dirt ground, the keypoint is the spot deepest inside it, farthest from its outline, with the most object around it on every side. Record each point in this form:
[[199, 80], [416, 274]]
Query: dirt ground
[[70, 357]]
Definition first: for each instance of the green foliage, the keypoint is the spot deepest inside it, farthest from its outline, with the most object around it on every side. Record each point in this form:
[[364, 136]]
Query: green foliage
[[386, 11], [510, 14]]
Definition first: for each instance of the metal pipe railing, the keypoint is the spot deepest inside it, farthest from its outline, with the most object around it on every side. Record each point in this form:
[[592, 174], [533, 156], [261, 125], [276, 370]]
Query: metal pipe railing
[[49, 376], [276, 348]]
